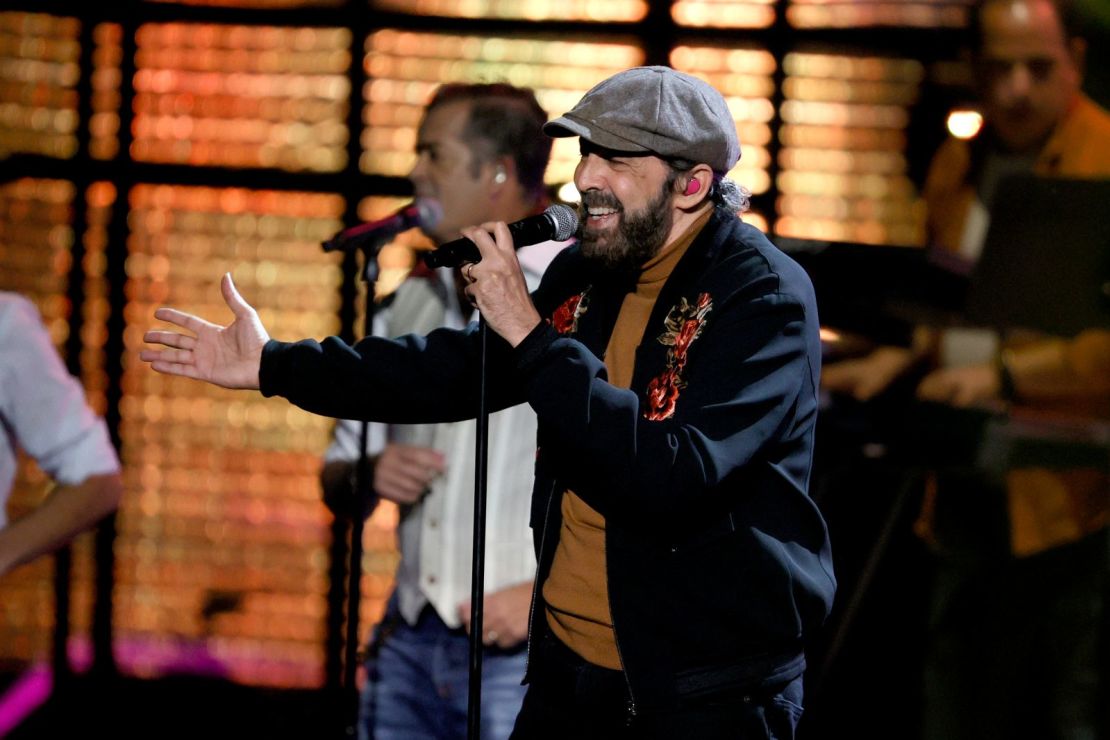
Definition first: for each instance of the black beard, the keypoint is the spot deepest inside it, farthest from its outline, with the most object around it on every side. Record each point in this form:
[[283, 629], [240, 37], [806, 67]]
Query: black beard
[[639, 236]]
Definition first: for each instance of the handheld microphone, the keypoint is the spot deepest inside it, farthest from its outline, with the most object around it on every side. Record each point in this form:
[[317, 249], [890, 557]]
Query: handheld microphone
[[557, 223], [421, 212]]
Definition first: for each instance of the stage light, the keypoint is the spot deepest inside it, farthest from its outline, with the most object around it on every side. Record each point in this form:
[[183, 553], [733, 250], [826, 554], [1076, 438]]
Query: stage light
[[964, 123]]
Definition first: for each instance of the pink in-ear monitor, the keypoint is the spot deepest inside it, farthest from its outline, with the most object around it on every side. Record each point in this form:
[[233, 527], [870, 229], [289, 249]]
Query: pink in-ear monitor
[[692, 187]]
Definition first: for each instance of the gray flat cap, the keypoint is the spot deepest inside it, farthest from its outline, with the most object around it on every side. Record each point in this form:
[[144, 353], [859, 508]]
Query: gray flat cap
[[655, 110]]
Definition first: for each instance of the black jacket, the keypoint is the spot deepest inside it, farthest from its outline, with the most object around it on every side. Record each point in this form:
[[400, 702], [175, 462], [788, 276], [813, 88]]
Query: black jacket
[[718, 561]]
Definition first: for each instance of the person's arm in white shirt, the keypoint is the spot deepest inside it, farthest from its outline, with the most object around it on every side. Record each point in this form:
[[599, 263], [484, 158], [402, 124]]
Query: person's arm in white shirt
[[44, 409]]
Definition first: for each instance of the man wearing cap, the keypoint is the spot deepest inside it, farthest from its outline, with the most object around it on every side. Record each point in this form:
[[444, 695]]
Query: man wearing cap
[[672, 359]]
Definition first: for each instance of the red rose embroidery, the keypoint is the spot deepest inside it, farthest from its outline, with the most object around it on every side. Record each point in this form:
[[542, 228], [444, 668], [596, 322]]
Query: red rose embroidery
[[682, 326], [565, 317], [663, 395], [685, 337]]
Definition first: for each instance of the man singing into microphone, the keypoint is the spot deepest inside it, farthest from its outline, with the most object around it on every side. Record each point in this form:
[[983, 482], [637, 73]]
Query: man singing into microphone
[[672, 359], [481, 156]]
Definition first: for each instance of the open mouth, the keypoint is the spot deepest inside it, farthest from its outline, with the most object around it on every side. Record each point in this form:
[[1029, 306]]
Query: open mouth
[[600, 217]]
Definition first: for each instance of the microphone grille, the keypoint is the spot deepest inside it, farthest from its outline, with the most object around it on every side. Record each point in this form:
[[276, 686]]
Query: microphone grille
[[429, 212], [565, 219]]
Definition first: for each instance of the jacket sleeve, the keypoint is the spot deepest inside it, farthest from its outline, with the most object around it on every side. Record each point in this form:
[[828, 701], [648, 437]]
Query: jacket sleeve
[[407, 380], [750, 395]]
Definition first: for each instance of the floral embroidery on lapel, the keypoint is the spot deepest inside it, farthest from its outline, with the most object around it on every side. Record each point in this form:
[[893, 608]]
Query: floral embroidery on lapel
[[684, 323], [565, 317]]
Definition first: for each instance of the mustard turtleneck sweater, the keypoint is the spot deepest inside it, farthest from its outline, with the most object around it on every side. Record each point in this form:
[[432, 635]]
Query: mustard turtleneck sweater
[[576, 591]]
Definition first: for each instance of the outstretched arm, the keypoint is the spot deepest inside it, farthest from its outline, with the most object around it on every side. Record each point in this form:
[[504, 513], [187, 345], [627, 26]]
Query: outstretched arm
[[228, 356]]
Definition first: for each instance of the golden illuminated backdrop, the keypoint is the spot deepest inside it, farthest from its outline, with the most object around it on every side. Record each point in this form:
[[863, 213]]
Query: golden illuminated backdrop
[[843, 171], [222, 537], [405, 68], [38, 77], [242, 96], [745, 77], [612, 11], [256, 4], [100, 197], [862, 13], [104, 123], [724, 13], [36, 239]]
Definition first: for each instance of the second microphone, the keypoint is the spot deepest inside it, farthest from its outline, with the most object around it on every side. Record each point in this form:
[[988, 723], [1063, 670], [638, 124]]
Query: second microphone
[[557, 223]]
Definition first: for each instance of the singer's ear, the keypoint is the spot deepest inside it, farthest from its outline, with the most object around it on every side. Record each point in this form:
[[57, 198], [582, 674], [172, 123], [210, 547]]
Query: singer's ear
[[694, 187]]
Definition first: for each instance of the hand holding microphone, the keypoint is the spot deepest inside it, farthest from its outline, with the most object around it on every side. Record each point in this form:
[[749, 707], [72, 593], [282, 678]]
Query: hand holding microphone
[[503, 298], [557, 223], [495, 284]]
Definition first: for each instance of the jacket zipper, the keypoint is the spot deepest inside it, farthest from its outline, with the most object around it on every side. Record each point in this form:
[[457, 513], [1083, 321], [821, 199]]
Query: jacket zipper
[[536, 590], [535, 599], [617, 642]]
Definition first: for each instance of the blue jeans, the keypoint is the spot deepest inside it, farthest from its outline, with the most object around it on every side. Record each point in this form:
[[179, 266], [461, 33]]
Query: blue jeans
[[418, 683]]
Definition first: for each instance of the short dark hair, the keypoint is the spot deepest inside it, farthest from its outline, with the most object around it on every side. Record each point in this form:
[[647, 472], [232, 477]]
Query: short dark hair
[[503, 121], [1071, 21]]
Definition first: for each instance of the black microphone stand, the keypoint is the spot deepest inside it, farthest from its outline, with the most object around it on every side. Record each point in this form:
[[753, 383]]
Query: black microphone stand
[[360, 504], [360, 501], [478, 557]]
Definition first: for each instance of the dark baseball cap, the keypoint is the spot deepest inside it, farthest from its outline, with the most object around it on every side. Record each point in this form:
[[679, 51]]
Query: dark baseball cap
[[655, 110]]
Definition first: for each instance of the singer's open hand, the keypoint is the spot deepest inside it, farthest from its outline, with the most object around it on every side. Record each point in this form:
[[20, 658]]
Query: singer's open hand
[[224, 355], [496, 284]]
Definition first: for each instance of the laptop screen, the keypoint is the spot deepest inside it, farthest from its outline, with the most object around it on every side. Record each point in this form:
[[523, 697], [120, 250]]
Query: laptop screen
[[1045, 264]]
